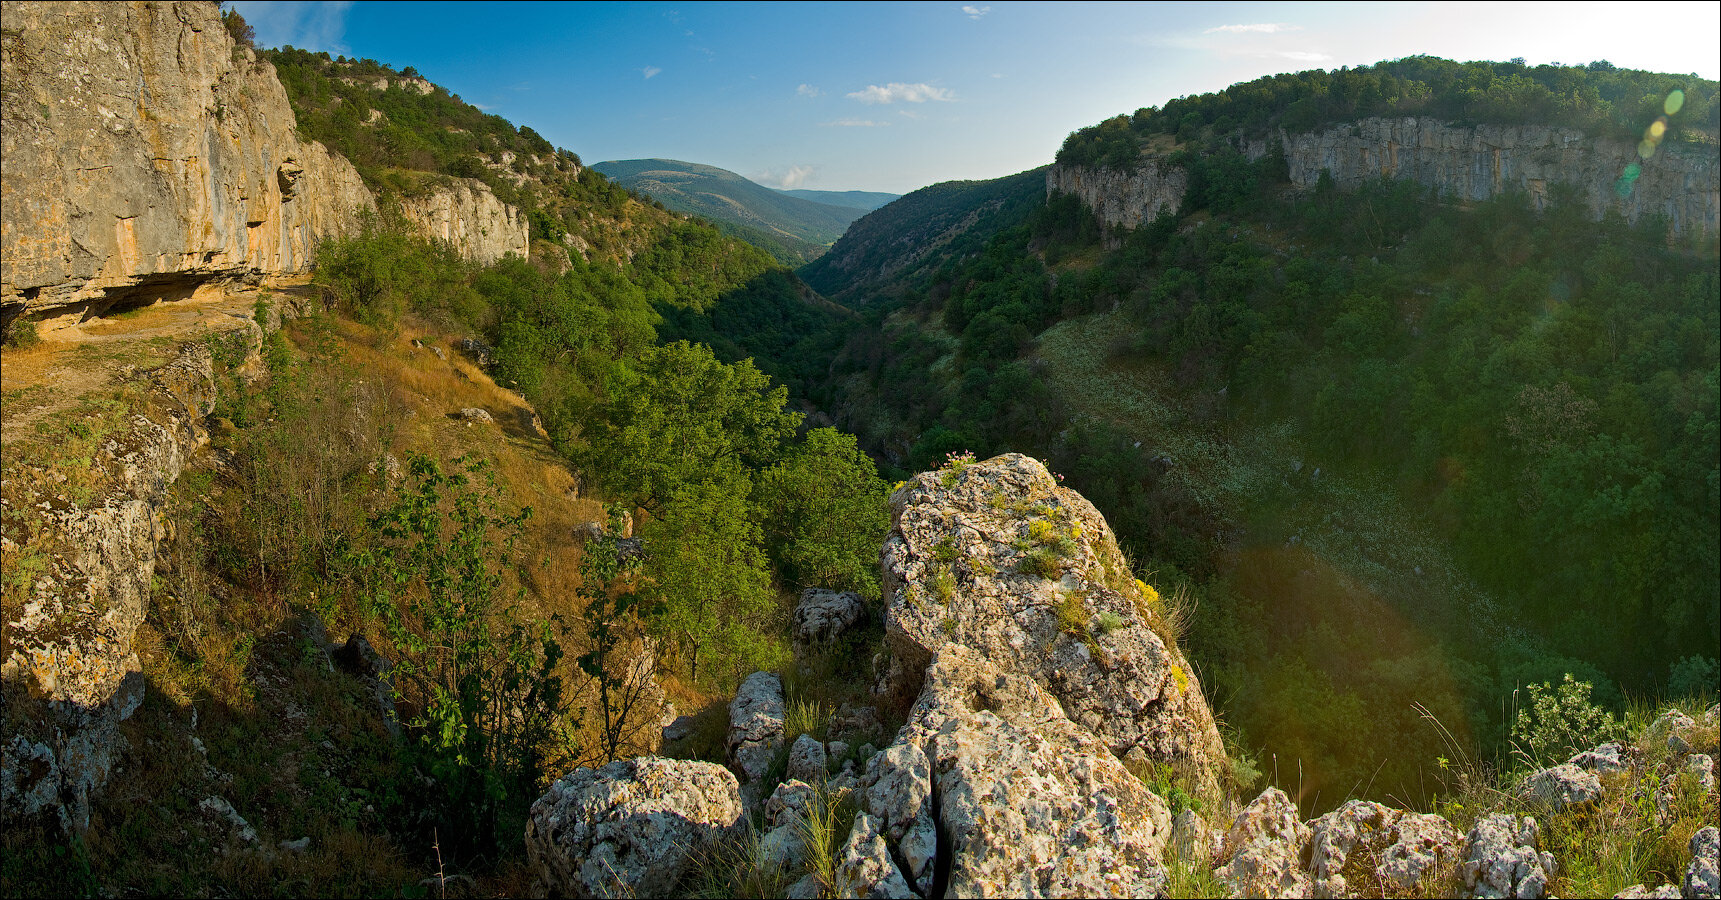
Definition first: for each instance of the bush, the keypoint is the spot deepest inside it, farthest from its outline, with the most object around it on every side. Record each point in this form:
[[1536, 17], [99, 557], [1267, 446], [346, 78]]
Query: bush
[[1559, 721], [1693, 676]]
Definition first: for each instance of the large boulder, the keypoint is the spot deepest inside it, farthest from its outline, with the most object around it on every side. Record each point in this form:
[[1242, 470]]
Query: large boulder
[[823, 615], [756, 725], [997, 557], [1561, 786], [1365, 849], [1262, 853], [1501, 859], [1028, 803], [631, 828]]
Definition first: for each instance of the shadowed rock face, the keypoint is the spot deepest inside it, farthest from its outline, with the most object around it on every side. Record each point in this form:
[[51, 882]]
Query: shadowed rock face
[[1000, 559], [140, 143]]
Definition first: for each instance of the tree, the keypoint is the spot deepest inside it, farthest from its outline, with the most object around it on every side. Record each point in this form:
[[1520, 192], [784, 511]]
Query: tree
[[614, 627], [682, 419], [823, 509]]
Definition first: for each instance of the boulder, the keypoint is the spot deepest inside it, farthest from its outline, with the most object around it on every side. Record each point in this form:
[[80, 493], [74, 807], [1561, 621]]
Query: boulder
[[1261, 855], [1191, 839], [1605, 759], [789, 803], [631, 828], [823, 615], [1703, 875], [864, 866], [474, 414], [1562, 786], [756, 725], [899, 794], [1028, 803], [1396, 848], [1670, 728], [997, 557], [1501, 859], [807, 760], [1640, 892]]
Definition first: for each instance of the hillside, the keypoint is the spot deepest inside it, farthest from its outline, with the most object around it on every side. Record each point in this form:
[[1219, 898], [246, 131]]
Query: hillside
[[794, 229]]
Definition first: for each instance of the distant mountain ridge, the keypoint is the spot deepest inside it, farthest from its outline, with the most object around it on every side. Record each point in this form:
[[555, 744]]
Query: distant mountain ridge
[[794, 229], [864, 200]]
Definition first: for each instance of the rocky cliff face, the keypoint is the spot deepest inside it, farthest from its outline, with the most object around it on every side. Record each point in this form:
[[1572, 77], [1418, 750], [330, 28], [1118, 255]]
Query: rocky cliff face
[[467, 216], [1469, 163], [147, 155]]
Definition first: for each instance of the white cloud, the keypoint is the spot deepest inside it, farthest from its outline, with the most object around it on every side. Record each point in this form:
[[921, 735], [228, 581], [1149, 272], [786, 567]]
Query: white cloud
[[909, 114], [856, 123], [793, 178], [1304, 56], [975, 12], [1257, 28], [308, 26], [650, 71], [896, 90], [807, 90]]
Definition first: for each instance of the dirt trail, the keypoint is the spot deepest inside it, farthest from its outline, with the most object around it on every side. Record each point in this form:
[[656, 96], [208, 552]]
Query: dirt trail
[[98, 356]]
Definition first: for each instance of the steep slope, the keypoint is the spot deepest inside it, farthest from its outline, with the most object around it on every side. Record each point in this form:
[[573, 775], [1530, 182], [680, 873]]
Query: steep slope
[[800, 225]]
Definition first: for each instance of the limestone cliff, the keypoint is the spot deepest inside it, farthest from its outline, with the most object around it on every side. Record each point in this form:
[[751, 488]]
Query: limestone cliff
[[467, 216], [147, 155], [1465, 162]]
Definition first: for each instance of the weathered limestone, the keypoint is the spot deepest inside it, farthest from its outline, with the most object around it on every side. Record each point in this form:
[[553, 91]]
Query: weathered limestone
[[1467, 163], [1703, 875], [1501, 859], [998, 558], [464, 214], [1261, 855], [1399, 848], [631, 828], [756, 725], [1561, 786], [822, 615], [146, 155]]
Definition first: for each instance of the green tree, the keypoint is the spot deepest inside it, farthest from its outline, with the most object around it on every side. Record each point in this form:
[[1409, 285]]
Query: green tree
[[823, 509]]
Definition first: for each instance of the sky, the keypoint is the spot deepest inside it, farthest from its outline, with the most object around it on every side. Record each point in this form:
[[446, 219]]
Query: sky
[[896, 96]]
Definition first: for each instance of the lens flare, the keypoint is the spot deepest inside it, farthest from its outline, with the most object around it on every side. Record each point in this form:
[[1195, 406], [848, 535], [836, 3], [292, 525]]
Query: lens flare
[[1657, 129], [1675, 101], [1629, 177], [1646, 148]]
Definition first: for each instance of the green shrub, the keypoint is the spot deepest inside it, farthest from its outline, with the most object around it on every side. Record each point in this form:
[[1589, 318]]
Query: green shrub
[[1559, 721]]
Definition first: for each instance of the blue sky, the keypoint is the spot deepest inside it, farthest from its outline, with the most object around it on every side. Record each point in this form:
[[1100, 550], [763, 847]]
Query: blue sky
[[896, 96]]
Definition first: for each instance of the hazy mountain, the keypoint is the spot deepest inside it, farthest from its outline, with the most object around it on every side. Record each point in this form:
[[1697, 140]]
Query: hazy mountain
[[794, 229], [867, 200]]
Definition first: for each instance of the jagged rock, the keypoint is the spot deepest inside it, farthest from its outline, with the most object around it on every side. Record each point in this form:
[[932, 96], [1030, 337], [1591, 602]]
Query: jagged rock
[[807, 760], [1670, 728], [1501, 859], [865, 869], [1605, 759], [822, 615], [1703, 875], [1398, 848], [899, 794], [1562, 786], [790, 801], [1640, 892], [149, 158], [964, 563], [631, 828], [1191, 838], [756, 725], [1028, 803], [1261, 855], [1129, 198]]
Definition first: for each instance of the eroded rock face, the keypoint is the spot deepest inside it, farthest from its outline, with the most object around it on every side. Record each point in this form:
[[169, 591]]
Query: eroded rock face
[[1501, 860], [467, 216], [146, 154], [631, 828], [1028, 803], [1471, 163], [1000, 559]]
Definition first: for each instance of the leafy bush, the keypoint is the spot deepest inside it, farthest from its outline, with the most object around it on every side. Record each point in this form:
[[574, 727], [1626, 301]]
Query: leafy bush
[[1693, 676], [1559, 721]]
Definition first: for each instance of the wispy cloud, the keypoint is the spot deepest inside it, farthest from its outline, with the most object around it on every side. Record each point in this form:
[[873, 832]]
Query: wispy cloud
[[807, 90], [909, 114], [650, 71], [1304, 56], [975, 12], [308, 26], [908, 93], [1257, 28], [855, 123], [789, 180]]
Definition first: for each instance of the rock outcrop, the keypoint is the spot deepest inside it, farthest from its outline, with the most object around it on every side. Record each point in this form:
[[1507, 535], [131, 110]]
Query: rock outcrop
[[756, 717], [146, 156], [70, 673], [1465, 162], [464, 214], [631, 828], [822, 615], [995, 556]]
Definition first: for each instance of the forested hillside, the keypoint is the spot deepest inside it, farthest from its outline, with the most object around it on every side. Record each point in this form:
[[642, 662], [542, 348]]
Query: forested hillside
[[1400, 451]]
